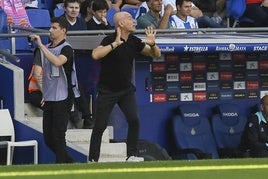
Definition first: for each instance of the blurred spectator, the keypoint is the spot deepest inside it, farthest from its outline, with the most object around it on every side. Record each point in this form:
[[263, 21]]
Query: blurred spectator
[[30, 4], [220, 13], [72, 10], [131, 3], [59, 4], [183, 20], [257, 130], [153, 17], [257, 10], [99, 21], [115, 4], [203, 20], [86, 10]]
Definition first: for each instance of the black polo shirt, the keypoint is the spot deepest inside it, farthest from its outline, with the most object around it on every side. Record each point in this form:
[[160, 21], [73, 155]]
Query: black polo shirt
[[116, 67]]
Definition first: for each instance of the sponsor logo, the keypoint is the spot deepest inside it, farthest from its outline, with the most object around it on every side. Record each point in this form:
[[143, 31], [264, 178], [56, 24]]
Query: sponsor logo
[[225, 56], [264, 84], [172, 97], [226, 75], [200, 96], [263, 65], [195, 49], [159, 77], [239, 95], [229, 114], [159, 67], [226, 85], [213, 76], [186, 97], [253, 94], [260, 48], [238, 85], [239, 64], [199, 66], [159, 87], [185, 67], [263, 74], [226, 95], [212, 66], [212, 85], [199, 76], [167, 49], [172, 58], [172, 77], [251, 85], [160, 59], [213, 96], [158, 98], [239, 56], [186, 76], [252, 56], [252, 74], [225, 65], [199, 86], [172, 87], [188, 86], [239, 75], [172, 67], [190, 115], [252, 65], [231, 47]]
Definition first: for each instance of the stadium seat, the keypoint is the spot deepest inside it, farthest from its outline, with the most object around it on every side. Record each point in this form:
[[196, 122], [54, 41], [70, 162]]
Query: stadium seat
[[110, 16], [58, 12], [39, 18], [235, 9], [7, 131], [192, 134], [228, 125], [131, 10]]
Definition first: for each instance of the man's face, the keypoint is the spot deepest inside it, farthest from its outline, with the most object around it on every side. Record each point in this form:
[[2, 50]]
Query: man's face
[[155, 5], [128, 23], [264, 107], [72, 10], [185, 8], [56, 31]]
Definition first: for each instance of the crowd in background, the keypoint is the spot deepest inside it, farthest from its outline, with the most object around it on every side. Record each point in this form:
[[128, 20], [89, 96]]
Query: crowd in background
[[93, 14]]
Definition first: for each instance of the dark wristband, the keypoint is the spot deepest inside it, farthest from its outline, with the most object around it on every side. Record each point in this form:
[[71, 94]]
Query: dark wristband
[[152, 45]]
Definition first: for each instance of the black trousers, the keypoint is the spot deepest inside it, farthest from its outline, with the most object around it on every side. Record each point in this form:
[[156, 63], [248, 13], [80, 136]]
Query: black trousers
[[35, 98], [55, 119], [105, 102]]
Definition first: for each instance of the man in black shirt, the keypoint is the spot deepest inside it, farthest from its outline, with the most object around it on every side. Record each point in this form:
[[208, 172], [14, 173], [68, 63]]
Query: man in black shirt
[[257, 130], [116, 54]]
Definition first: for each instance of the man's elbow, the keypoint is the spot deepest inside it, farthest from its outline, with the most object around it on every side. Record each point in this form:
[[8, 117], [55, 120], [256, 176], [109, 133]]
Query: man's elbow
[[95, 55]]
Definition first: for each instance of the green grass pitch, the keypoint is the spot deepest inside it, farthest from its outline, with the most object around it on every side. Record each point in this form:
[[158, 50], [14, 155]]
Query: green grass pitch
[[209, 169]]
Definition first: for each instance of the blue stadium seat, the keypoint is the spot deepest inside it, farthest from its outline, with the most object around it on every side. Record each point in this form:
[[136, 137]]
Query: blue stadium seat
[[39, 18], [228, 125], [131, 10], [193, 135], [235, 9], [58, 12], [110, 16]]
